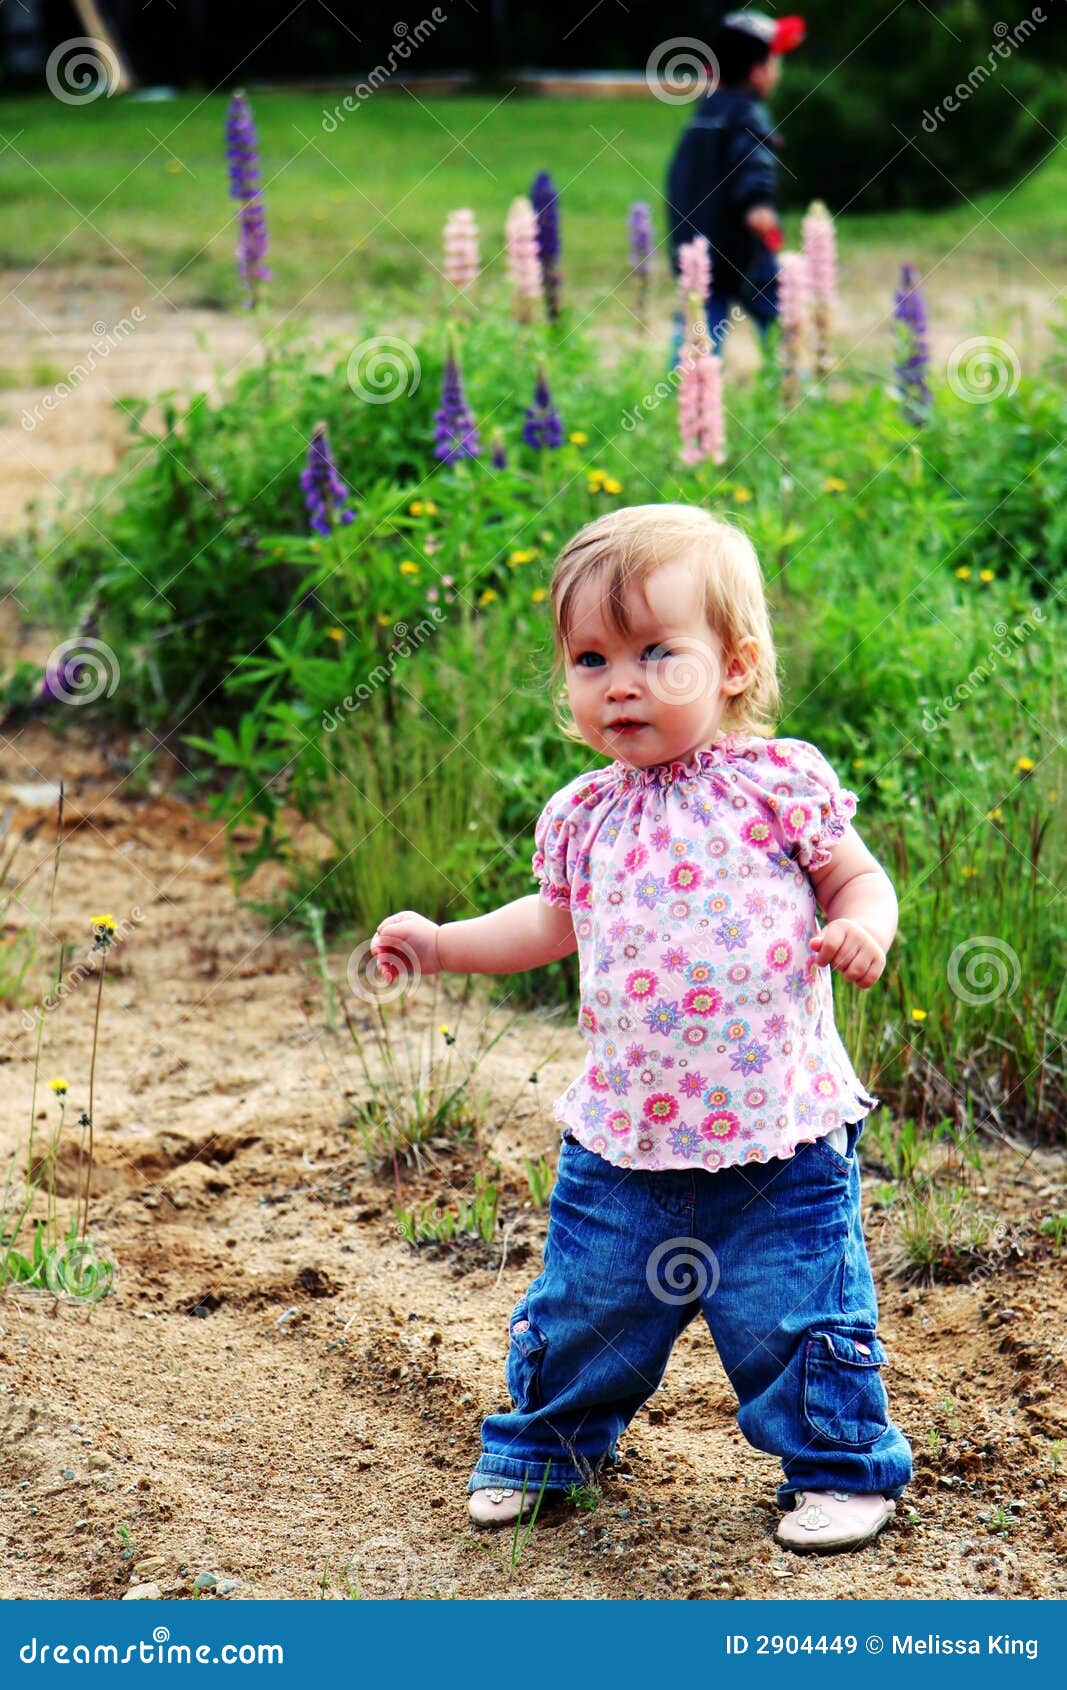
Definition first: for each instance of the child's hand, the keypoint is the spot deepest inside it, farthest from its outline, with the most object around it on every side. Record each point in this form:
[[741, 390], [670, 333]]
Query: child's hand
[[413, 940], [845, 945]]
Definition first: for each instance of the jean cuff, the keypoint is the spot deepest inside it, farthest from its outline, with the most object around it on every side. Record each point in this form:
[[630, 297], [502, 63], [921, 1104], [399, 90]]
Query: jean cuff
[[508, 1472]]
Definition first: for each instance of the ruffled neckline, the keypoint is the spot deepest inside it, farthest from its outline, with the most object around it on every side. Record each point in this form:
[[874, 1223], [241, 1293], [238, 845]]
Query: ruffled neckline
[[721, 750]]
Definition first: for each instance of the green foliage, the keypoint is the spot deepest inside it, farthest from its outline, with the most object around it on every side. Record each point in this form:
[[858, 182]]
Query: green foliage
[[476, 1217], [389, 684]]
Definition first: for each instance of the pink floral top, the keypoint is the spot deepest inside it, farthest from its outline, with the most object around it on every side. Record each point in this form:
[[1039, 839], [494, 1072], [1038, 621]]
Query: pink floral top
[[710, 1030]]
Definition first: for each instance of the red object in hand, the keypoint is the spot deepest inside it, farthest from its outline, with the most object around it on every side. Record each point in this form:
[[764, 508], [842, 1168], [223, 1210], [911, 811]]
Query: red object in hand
[[773, 239]]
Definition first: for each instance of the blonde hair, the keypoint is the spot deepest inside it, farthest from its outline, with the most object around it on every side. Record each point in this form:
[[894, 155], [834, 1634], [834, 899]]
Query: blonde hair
[[624, 547]]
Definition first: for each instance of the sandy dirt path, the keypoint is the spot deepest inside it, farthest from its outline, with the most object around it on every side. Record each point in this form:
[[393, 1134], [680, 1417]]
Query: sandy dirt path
[[279, 1387]]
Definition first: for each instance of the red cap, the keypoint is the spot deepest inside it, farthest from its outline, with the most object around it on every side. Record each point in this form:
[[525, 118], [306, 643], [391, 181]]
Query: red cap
[[780, 34], [789, 34]]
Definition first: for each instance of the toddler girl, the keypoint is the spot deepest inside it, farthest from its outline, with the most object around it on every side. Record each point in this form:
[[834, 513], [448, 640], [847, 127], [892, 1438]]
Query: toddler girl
[[708, 1158]]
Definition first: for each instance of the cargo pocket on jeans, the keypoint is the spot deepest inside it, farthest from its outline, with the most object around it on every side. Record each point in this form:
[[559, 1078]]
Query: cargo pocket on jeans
[[525, 1355], [845, 1400]]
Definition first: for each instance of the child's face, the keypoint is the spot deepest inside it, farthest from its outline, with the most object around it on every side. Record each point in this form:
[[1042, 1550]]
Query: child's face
[[669, 676], [763, 79]]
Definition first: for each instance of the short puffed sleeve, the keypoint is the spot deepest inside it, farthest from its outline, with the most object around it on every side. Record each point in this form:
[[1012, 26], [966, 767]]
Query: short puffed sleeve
[[558, 861], [812, 807]]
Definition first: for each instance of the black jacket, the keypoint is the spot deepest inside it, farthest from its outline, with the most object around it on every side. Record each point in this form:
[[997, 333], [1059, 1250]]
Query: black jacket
[[723, 165]]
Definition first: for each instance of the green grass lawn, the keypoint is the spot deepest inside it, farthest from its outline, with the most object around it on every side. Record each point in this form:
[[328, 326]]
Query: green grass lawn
[[355, 216]]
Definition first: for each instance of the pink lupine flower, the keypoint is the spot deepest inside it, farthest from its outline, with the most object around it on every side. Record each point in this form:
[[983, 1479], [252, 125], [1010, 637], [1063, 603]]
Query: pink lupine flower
[[694, 268], [820, 251], [461, 249], [524, 260], [700, 414], [794, 297]]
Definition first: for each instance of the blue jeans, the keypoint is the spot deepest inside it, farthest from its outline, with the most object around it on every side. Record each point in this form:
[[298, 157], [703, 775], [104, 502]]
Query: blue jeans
[[756, 293], [771, 1254]]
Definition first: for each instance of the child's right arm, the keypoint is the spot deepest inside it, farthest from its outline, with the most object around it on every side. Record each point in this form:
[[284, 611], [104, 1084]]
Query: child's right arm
[[525, 934]]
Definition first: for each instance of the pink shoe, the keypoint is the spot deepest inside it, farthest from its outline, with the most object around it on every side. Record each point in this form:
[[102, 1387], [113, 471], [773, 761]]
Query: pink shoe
[[498, 1506], [825, 1521]]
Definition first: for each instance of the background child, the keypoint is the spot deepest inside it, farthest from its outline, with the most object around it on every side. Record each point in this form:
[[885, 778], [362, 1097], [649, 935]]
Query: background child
[[723, 177], [708, 1160]]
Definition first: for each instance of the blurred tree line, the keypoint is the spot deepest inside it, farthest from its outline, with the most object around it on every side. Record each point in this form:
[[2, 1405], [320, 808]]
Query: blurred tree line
[[886, 105]]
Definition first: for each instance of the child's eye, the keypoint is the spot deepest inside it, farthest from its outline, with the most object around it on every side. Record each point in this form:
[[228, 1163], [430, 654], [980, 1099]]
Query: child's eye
[[579, 662]]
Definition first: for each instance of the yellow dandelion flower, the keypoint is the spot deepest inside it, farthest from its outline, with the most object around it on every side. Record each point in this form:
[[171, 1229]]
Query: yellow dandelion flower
[[918, 1015], [538, 594], [416, 507], [963, 573], [742, 495], [986, 575], [994, 815], [487, 597], [578, 438], [521, 557], [335, 633], [382, 620], [612, 486], [596, 476], [1023, 765], [858, 762], [59, 1087], [834, 484], [431, 508], [969, 871], [409, 568], [107, 922]]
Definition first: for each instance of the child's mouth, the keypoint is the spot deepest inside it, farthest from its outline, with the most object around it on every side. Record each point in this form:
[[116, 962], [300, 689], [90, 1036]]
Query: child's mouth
[[626, 727]]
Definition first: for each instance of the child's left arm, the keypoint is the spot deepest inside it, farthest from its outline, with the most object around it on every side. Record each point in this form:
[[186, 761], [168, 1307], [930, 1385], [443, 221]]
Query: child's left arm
[[860, 905]]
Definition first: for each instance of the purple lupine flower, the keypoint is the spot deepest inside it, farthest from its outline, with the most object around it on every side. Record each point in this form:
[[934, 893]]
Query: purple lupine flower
[[641, 249], [545, 201], [455, 432], [913, 348], [640, 235], [498, 450], [324, 490], [542, 426], [242, 149]]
